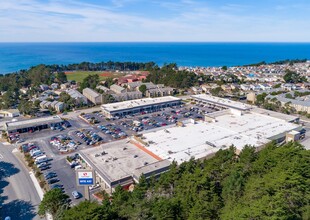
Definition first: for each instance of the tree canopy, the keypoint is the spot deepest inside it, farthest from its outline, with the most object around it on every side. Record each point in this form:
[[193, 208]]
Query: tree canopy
[[91, 81], [169, 76], [53, 201], [293, 77], [142, 89], [270, 184]]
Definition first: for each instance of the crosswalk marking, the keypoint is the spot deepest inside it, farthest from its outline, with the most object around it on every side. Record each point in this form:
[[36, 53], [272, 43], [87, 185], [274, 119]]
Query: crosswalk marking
[[1, 157]]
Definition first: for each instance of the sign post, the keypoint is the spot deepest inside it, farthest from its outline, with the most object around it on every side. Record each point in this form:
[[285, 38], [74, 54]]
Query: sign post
[[85, 178]]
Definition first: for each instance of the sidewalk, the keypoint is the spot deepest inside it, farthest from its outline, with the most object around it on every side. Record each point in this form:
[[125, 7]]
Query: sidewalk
[[36, 184]]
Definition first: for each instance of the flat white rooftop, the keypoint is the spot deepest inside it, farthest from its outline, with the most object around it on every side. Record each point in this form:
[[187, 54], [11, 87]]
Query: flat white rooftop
[[117, 163], [222, 102], [33, 122], [118, 106], [202, 139], [289, 118]]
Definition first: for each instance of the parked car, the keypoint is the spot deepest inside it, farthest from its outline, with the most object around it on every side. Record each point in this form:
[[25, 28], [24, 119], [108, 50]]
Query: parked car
[[75, 194], [94, 186], [45, 168], [51, 181], [51, 176], [57, 186], [43, 164], [49, 173]]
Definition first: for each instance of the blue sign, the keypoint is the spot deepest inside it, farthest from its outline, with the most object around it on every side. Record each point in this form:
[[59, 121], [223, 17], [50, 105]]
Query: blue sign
[[86, 181], [85, 177]]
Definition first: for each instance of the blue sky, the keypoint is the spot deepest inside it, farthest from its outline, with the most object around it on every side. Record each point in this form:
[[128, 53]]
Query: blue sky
[[154, 20]]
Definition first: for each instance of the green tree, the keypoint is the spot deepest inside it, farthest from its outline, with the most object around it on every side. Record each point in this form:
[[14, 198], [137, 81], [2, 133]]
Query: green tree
[[224, 68], [87, 210], [26, 107], [8, 99], [61, 77], [91, 81], [142, 89], [216, 91], [260, 98], [36, 103], [293, 77], [289, 96], [109, 82], [53, 201]]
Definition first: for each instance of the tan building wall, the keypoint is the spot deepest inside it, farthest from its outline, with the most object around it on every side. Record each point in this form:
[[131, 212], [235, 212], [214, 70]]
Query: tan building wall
[[251, 97]]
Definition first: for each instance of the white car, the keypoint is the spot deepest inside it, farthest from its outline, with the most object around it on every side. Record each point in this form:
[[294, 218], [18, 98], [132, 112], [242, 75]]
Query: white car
[[94, 186], [75, 194]]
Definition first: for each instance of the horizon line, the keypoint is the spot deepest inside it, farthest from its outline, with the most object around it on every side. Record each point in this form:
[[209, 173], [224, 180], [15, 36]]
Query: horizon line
[[287, 42]]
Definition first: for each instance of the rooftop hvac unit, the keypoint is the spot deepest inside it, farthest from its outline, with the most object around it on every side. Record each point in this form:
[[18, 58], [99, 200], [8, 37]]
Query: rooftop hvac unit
[[103, 153]]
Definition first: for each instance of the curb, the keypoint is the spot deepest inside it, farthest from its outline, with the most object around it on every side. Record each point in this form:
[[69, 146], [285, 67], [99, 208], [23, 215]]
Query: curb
[[39, 191]]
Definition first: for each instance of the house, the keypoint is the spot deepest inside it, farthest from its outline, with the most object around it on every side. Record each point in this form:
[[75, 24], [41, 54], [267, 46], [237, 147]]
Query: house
[[77, 96], [251, 97], [24, 90], [197, 90], [117, 89], [103, 88], [10, 113], [59, 106], [265, 86], [255, 87], [245, 87], [287, 86], [159, 92], [53, 103], [234, 86], [65, 86], [54, 86], [45, 104], [44, 87], [149, 85], [127, 96], [226, 88], [206, 87], [93, 96]]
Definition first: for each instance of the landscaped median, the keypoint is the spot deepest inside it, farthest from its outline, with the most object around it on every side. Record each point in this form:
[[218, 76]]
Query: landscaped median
[[30, 161]]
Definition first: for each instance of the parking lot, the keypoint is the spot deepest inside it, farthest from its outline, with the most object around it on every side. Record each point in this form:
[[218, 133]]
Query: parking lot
[[131, 124]]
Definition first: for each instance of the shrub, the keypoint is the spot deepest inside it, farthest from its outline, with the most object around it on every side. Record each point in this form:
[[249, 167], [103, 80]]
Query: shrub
[[38, 173], [42, 184], [30, 163], [69, 159]]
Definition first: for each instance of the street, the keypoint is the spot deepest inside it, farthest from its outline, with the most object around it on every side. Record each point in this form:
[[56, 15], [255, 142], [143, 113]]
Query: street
[[19, 198]]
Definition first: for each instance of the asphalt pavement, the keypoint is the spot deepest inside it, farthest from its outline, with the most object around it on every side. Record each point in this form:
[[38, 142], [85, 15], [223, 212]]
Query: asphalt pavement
[[19, 197]]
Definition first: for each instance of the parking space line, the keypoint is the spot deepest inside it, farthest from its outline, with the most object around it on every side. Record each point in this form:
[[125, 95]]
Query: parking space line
[[1, 157]]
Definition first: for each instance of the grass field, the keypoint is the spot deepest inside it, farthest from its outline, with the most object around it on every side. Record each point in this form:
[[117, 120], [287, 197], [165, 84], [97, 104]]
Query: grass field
[[78, 76]]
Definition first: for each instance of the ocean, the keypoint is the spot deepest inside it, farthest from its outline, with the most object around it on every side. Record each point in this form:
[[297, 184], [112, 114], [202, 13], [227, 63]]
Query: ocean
[[16, 56]]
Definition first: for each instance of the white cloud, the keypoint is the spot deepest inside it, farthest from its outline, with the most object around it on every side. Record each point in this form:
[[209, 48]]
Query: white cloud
[[56, 20]]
